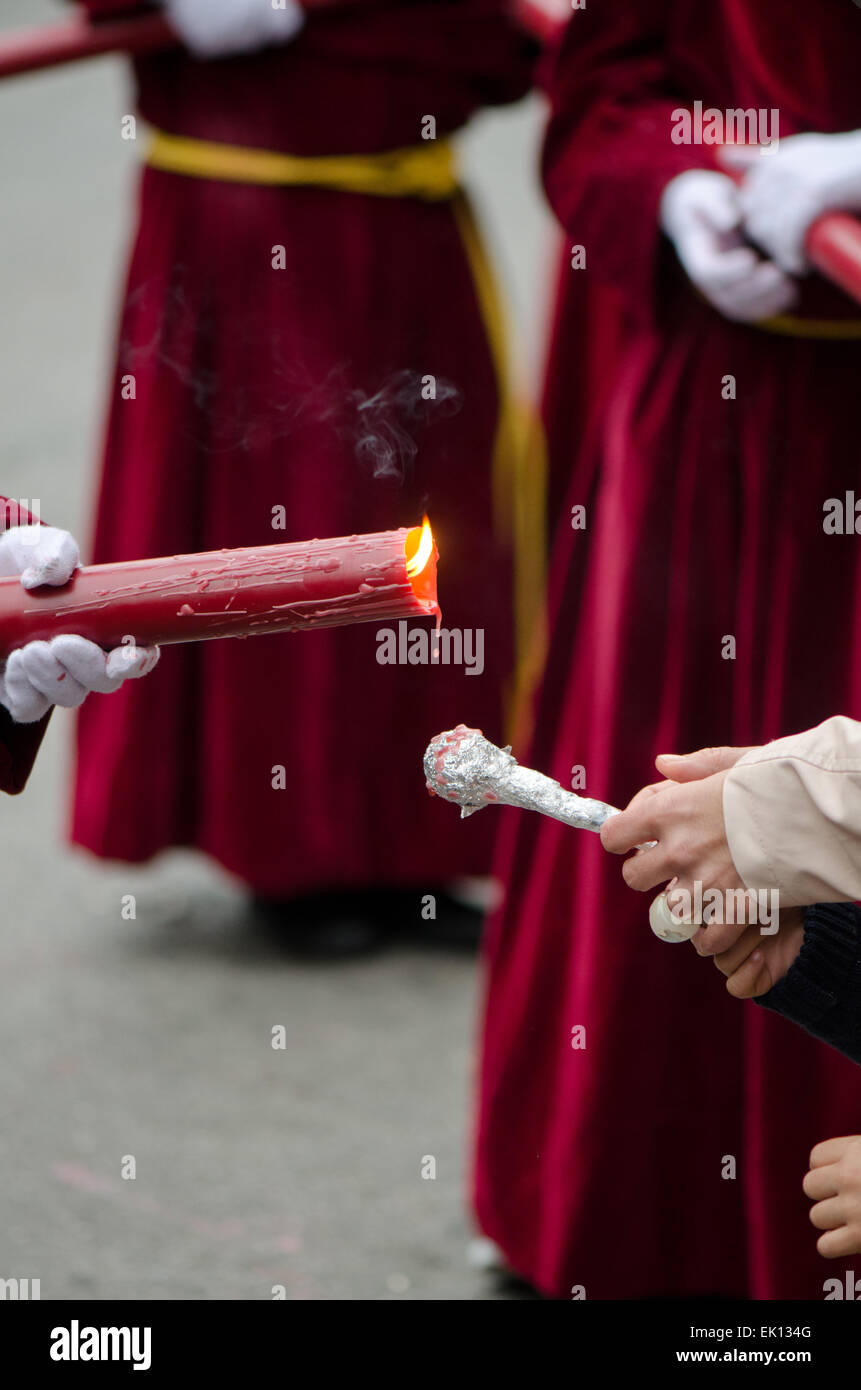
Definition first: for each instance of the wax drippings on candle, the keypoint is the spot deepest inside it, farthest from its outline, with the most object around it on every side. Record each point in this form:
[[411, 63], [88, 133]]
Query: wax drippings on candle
[[274, 588], [445, 759]]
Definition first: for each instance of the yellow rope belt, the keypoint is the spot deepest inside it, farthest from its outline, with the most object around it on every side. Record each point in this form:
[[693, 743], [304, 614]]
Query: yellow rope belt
[[792, 326], [426, 171], [520, 469], [420, 171]]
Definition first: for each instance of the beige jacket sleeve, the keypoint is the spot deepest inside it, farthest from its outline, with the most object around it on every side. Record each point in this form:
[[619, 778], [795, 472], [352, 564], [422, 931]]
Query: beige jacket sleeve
[[792, 812]]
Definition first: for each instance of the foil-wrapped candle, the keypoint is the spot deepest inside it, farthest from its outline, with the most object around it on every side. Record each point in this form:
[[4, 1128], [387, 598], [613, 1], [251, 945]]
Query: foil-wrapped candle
[[463, 766], [232, 593]]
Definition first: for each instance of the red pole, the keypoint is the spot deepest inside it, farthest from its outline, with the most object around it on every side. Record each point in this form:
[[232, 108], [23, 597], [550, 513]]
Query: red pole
[[834, 247], [48, 45], [232, 593], [543, 19], [28, 50]]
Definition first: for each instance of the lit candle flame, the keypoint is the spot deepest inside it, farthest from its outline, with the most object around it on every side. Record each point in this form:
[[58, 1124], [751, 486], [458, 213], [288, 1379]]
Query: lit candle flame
[[417, 562]]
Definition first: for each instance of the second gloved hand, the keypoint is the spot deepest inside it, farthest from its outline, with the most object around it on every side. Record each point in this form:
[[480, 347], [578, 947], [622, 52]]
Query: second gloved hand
[[217, 28], [786, 190], [64, 671], [701, 214]]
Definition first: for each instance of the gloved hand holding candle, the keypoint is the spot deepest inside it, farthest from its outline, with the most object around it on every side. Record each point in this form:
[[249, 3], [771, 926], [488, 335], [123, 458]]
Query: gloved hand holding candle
[[121, 613], [64, 669]]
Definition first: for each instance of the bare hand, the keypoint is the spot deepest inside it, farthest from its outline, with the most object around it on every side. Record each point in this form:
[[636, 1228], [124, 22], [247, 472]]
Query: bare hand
[[685, 816], [755, 963], [834, 1184]]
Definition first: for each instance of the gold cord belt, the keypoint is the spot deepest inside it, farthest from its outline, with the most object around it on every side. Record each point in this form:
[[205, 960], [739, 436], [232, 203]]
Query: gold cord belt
[[419, 171], [792, 326]]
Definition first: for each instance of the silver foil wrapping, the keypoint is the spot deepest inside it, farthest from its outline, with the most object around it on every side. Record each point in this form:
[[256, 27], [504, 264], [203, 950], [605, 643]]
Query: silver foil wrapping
[[463, 766]]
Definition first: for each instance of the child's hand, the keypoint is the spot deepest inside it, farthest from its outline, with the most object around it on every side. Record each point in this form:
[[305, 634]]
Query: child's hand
[[757, 962], [834, 1184]]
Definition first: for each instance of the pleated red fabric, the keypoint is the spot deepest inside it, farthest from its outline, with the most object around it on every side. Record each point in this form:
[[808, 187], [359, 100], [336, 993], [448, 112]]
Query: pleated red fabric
[[607, 1165], [301, 389]]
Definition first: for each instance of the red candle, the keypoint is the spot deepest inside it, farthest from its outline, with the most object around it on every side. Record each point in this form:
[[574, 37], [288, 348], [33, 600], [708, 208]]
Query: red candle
[[47, 45], [72, 40], [545, 19], [232, 593], [833, 244]]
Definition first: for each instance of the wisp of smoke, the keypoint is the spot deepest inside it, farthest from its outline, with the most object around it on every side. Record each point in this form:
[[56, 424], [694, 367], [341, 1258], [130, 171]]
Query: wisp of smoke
[[380, 426], [382, 438]]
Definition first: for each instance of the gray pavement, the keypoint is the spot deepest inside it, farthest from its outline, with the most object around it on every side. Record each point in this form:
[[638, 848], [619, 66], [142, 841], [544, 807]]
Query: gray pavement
[[151, 1037]]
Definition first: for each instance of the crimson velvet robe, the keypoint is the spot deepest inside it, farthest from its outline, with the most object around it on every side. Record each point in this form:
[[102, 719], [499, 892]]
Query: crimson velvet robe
[[257, 389], [665, 1157], [19, 743]]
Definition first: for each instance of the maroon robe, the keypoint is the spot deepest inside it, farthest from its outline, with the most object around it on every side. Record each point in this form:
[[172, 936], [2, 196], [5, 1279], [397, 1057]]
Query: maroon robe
[[298, 388], [19, 743], [607, 1166]]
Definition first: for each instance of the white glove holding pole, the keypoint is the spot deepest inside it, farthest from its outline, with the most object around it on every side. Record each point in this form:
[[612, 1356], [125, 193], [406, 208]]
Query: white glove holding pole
[[218, 28], [784, 192], [701, 213], [64, 670]]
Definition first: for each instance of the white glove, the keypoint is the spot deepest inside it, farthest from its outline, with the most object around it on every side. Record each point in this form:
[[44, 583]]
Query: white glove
[[40, 554], [64, 670], [786, 190], [216, 28], [701, 214]]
